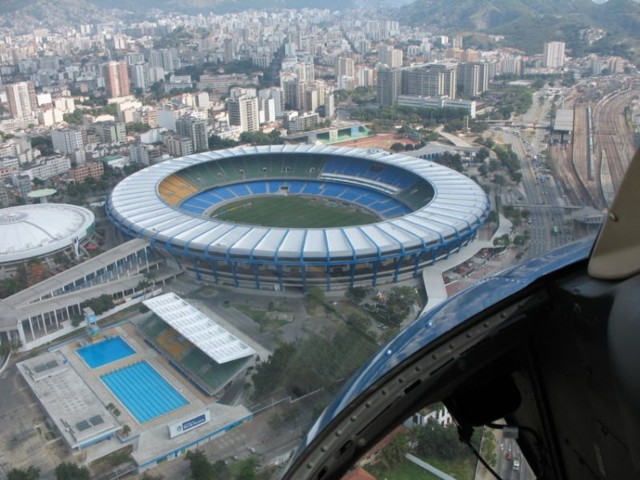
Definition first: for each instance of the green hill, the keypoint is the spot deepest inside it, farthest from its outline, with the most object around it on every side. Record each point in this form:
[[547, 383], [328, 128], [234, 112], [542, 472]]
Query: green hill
[[527, 24]]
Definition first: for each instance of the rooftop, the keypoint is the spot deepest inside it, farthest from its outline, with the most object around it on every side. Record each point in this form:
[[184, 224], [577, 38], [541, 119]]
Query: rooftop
[[195, 326], [32, 230]]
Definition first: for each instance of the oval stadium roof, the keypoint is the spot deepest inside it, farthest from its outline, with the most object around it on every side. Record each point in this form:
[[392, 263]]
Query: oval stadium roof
[[458, 203], [34, 230]]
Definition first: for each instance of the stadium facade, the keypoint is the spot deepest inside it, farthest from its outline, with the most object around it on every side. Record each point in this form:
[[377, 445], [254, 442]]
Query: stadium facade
[[426, 212]]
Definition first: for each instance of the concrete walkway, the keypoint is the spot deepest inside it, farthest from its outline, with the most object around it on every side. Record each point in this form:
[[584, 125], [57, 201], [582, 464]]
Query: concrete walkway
[[429, 468], [457, 141], [432, 276]]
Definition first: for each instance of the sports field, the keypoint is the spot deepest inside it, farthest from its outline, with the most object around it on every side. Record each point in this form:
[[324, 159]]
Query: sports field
[[293, 212]]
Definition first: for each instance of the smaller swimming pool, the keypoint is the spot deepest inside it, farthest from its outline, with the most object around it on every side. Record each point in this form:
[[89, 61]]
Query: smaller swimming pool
[[106, 351]]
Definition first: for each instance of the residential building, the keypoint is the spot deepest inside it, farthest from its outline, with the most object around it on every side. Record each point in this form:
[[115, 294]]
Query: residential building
[[553, 56], [391, 57], [243, 112], [50, 167], [22, 99], [389, 86], [116, 78], [178, 146], [67, 140], [111, 132], [89, 169], [194, 129], [473, 78]]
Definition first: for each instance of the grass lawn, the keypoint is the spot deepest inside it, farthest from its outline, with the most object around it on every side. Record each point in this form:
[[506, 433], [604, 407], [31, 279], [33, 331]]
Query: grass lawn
[[260, 316], [405, 471], [293, 212]]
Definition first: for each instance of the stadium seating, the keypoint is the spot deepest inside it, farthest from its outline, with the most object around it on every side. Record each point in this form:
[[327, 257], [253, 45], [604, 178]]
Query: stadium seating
[[174, 189]]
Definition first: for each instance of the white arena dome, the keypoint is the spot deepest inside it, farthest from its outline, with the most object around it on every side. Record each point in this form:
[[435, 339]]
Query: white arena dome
[[38, 230]]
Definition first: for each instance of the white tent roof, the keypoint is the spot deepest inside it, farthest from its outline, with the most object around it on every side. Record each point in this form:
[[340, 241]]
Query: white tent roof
[[195, 326]]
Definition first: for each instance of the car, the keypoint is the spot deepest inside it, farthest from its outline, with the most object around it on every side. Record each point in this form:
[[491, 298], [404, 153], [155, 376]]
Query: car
[[516, 464]]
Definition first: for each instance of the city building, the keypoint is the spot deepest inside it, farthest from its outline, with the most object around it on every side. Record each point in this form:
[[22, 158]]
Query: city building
[[389, 86], [111, 132], [473, 78], [243, 112], [50, 167], [391, 57], [22, 99], [177, 145], [417, 101], [430, 80], [553, 56], [195, 129], [88, 169], [116, 79], [67, 140]]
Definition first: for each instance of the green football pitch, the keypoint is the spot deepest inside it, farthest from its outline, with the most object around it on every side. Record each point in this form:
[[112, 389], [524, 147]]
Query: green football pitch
[[293, 212]]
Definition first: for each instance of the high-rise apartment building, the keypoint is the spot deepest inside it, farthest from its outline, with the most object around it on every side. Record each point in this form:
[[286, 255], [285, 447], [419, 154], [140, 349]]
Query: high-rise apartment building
[[165, 58], [111, 132], [277, 94], [116, 78], [140, 76], [391, 57], [473, 78], [194, 129], [431, 80], [22, 99], [553, 56], [243, 112], [345, 67], [389, 86], [67, 141]]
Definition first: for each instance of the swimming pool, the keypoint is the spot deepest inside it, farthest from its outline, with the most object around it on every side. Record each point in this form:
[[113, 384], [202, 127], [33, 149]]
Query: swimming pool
[[106, 351], [143, 391]]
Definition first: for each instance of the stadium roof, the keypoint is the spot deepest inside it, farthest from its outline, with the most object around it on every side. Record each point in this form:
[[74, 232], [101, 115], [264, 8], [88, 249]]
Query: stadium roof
[[458, 204], [216, 342], [33, 230]]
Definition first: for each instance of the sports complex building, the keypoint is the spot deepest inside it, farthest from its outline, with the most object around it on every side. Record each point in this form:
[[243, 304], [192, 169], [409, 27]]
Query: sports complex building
[[417, 211], [40, 231]]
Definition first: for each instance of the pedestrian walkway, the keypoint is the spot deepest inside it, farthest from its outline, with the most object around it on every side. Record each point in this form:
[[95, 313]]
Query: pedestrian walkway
[[432, 276]]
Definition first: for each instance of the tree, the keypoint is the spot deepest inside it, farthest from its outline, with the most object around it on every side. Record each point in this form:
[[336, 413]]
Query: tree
[[357, 294], [71, 471], [201, 468], [396, 147], [31, 473], [246, 469], [126, 430], [276, 422], [435, 440], [394, 453]]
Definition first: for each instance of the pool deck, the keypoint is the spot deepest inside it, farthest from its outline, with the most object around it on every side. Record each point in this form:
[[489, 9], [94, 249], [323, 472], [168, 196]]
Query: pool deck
[[150, 439]]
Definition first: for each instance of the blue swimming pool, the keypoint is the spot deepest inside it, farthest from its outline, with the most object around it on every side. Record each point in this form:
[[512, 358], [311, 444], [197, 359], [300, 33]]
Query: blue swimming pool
[[143, 391], [106, 351]]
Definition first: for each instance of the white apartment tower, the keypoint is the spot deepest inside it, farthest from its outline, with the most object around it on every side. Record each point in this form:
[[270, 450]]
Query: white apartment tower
[[553, 56], [391, 57], [67, 140], [243, 112], [22, 99]]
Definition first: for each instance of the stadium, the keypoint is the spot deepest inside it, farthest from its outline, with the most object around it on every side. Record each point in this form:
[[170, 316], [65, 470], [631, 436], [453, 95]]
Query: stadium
[[389, 216], [41, 231]]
